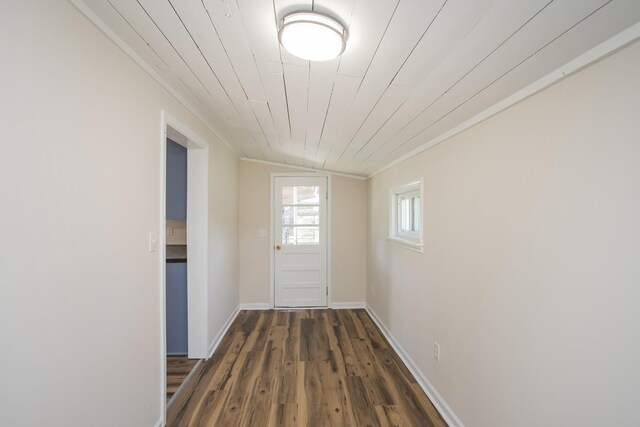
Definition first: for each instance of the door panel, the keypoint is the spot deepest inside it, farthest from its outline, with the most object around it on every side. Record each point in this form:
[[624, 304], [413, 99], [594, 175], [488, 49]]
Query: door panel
[[300, 243]]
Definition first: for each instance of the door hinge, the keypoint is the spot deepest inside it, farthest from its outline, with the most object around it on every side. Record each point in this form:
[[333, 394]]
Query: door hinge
[[327, 291]]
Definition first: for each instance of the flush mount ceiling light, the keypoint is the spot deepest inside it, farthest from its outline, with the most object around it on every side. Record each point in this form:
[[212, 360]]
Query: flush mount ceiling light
[[312, 36]]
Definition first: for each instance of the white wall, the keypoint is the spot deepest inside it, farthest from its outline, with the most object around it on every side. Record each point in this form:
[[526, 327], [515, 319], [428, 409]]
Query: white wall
[[80, 185], [348, 239], [223, 292], [529, 278], [348, 234]]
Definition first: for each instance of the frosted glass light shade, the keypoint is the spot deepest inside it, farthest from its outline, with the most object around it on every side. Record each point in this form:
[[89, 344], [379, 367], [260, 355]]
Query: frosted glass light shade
[[312, 36]]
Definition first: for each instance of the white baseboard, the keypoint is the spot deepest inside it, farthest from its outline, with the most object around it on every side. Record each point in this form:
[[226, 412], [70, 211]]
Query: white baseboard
[[343, 305], [158, 423], [223, 331], [447, 413], [255, 306], [336, 305]]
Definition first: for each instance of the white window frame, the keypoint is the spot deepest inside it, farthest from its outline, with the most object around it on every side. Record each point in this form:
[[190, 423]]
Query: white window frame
[[409, 239]]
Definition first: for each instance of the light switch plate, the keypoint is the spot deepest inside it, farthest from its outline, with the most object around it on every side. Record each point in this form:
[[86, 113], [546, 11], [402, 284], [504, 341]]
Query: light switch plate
[[153, 241], [262, 232]]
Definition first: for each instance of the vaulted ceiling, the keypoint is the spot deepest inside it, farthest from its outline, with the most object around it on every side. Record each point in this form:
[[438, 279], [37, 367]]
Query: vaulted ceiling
[[412, 69]]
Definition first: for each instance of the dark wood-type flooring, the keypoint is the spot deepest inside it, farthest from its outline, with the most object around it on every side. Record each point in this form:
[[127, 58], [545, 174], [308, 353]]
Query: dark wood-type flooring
[[178, 367], [303, 368]]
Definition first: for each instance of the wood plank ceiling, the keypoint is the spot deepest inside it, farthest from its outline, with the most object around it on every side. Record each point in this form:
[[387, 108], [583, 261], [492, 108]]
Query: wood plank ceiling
[[412, 70]]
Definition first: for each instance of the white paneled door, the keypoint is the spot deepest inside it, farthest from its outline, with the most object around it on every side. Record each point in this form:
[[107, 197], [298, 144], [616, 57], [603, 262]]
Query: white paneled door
[[300, 241]]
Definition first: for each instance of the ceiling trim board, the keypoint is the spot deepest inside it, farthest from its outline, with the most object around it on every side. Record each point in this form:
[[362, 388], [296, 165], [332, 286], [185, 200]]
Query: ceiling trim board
[[590, 57], [303, 168], [107, 31]]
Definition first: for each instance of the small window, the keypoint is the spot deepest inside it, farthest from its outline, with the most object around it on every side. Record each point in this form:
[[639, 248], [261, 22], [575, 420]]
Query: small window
[[405, 225]]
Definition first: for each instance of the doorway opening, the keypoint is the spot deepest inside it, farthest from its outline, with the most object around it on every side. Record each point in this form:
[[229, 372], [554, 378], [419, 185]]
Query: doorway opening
[[177, 324], [184, 254]]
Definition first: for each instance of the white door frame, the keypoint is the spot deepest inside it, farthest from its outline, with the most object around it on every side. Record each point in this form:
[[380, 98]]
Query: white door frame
[[272, 283], [197, 242]]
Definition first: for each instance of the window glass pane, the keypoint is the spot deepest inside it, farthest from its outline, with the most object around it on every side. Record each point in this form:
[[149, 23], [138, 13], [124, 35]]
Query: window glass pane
[[415, 214], [300, 215], [404, 214], [307, 235], [288, 236], [288, 215], [308, 215], [301, 195]]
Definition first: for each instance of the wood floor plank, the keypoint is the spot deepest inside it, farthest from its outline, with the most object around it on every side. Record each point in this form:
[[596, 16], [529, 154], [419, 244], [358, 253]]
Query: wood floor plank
[[336, 401], [259, 410], [391, 416], [295, 368], [301, 395], [190, 394], [371, 330], [210, 409], [178, 368], [357, 323], [363, 409], [431, 410], [316, 411], [287, 393], [285, 414], [351, 362]]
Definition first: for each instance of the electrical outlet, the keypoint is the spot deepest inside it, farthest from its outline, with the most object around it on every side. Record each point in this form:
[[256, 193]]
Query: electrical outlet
[[436, 351]]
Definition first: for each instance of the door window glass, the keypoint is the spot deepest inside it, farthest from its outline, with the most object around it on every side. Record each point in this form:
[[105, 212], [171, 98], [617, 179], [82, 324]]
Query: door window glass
[[300, 215]]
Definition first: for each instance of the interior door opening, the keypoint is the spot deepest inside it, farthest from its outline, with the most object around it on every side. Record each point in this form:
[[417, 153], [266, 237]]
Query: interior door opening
[[177, 324], [184, 219]]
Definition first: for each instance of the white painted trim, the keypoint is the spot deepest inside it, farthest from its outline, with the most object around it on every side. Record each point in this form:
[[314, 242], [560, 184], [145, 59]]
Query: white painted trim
[[445, 411], [303, 168], [345, 305], [416, 247], [107, 31], [198, 250], [197, 232], [255, 306], [196, 189], [329, 199], [272, 303], [159, 423], [162, 273], [272, 283], [393, 236], [216, 342], [591, 56]]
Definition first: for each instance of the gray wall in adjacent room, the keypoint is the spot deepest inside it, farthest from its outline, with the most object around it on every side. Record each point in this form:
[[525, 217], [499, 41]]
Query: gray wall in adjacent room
[[176, 181], [177, 327]]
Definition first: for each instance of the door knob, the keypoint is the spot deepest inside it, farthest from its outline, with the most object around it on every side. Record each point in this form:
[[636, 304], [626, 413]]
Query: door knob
[[278, 247]]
